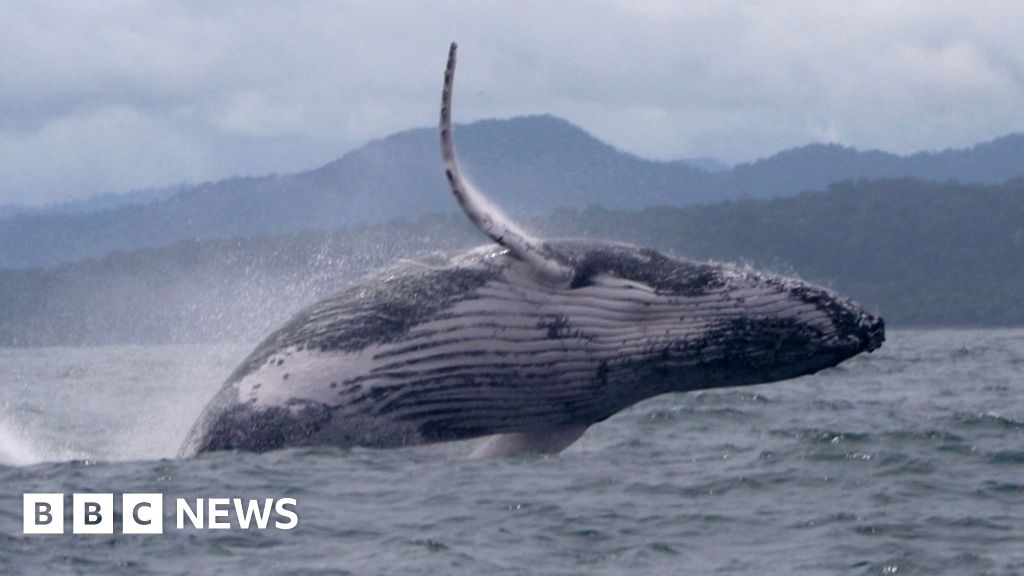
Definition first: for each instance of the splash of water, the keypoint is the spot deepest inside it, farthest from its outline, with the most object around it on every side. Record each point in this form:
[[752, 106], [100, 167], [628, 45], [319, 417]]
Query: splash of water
[[20, 447], [15, 448], [105, 403]]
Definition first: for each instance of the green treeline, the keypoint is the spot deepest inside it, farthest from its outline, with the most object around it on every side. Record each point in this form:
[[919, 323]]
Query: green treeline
[[920, 253]]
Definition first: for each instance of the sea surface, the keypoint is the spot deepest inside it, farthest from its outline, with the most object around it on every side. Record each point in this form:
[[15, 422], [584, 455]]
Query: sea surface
[[906, 461]]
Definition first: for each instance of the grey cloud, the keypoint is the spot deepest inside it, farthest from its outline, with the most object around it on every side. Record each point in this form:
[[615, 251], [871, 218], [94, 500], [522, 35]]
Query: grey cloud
[[112, 96]]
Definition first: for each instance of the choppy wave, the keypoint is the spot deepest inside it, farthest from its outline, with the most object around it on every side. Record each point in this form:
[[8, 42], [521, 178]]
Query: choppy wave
[[908, 460]]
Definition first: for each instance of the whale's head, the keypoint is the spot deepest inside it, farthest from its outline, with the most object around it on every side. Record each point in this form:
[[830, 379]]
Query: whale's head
[[699, 325]]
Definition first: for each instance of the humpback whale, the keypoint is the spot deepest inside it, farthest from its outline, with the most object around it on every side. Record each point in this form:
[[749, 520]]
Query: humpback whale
[[524, 341]]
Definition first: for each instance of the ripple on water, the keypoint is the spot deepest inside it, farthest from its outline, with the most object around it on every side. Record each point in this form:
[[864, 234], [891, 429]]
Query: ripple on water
[[987, 420], [905, 461]]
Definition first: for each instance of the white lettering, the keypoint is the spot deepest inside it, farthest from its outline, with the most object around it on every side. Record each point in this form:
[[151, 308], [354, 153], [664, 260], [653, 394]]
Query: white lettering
[[282, 510], [218, 508], [245, 515], [195, 517]]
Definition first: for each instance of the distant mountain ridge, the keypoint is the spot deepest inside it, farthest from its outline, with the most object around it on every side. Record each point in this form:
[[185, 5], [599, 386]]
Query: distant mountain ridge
[[97, 203], [819, 165], [530, 165], [919, 253]]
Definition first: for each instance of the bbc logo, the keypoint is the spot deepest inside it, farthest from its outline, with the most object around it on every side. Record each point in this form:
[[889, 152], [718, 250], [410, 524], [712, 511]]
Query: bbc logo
[[93, 513], [144, 513]]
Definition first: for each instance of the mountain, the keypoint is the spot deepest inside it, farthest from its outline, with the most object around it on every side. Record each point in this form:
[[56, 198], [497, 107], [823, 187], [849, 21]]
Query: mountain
[[97, 203], [529, 165], [818, 165], [920, 253], [707, 164]]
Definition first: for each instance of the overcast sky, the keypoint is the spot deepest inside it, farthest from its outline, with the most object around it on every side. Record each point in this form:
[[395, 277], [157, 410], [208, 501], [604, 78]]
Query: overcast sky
[[110, 96]]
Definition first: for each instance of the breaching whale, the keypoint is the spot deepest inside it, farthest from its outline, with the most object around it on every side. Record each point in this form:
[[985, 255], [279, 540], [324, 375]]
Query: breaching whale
[[525, 341]]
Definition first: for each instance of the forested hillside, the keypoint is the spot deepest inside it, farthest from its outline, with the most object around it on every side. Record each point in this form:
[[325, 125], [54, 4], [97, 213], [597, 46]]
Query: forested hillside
[[531, 166], [919, 253]]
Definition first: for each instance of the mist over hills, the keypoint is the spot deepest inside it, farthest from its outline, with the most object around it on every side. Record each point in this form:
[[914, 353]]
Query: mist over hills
[[529, 165], [97, 203], [919, 253]]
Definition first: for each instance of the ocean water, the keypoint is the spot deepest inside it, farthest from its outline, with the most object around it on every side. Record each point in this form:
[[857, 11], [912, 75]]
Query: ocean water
[[906, 461]]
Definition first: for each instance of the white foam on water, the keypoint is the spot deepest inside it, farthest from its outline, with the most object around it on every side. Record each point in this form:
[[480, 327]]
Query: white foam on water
[[110, 403], [19, 446], [16, 448]]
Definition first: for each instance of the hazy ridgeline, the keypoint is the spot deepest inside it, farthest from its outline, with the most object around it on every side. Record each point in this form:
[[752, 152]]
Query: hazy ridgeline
[[919, 253], [530, 166]]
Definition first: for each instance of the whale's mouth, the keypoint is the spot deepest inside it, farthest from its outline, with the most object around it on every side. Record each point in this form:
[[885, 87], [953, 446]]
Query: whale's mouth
[[872, 333]]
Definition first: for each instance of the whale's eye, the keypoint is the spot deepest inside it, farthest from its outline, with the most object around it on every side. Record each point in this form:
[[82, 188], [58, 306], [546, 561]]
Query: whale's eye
[[582, 277]]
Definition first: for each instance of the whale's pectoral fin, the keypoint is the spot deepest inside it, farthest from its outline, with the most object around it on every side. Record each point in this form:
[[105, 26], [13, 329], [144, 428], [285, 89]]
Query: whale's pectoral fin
[[487, 217], [538, 442]]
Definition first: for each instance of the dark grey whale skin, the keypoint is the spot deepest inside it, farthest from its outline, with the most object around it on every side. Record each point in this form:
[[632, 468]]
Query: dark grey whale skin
[[715, 326]]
